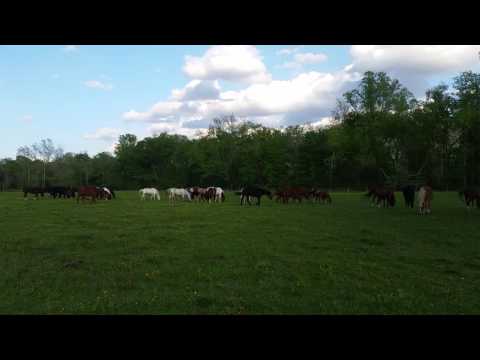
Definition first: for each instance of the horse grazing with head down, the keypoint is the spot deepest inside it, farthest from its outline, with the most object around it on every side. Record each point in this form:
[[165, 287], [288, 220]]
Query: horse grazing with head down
[[34, 191], [215, 194], [87, 192], [321, 196], [152, 192], [470, 196], [174, 192], [381, 196], [425, 196], [198, 193], [253, 191]]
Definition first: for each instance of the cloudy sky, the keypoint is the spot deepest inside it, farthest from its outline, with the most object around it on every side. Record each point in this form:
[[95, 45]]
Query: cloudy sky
[[83, 97]]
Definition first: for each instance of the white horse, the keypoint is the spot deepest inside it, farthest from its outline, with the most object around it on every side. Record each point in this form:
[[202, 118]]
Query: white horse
[[154, 193], [173, 193], [219, 194]]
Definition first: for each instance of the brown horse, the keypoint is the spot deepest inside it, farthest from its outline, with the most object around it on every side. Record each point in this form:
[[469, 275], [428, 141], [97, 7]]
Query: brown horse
[[198, 193], [293, 193], [87, 192], [321, 196], [381, 196]]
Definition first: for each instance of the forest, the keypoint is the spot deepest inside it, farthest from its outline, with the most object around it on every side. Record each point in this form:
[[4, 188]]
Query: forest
[[380, 134]]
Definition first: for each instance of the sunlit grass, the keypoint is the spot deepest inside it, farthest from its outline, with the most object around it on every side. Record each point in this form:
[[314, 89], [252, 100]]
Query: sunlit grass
[[129, 256]]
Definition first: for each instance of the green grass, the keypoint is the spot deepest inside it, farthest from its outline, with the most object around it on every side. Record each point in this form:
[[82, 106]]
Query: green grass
[[132, 257]]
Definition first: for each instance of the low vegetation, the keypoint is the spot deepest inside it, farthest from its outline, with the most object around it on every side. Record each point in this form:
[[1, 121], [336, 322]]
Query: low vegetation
[[128, 256]]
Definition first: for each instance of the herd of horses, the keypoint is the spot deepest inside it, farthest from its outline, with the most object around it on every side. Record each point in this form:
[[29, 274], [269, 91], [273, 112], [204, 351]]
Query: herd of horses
[[67, 192], [379, 196]]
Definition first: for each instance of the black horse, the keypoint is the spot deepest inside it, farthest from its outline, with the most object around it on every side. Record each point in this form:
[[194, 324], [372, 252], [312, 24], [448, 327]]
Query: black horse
[[61, 192], [33, 190], [409, 195], [253, 191]]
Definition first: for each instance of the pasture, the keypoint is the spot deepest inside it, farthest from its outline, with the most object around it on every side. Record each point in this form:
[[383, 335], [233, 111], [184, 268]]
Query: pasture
[[128, 256]]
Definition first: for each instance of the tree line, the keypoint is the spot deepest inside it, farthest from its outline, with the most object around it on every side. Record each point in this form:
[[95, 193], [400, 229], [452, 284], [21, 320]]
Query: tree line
[[380, 134]]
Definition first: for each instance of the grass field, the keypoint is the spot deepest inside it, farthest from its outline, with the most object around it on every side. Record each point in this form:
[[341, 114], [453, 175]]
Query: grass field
[[131, 257]]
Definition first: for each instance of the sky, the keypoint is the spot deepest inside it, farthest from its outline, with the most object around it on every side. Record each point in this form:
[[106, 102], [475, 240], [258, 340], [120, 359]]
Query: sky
[[83, 97]]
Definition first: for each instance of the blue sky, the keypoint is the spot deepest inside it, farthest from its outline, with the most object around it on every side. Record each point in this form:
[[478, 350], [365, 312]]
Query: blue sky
[[82, 97]]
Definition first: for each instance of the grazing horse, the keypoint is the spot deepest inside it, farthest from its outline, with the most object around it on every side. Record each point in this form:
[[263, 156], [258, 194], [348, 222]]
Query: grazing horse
[[218, 195], [380, 195], [152, 192], [103, 193], [425, 196], [108, 192], [59, 191], [470, 195], [33, 190], [210, 194], [409, 195], [297, 194], [321, 196], [198, 193], [87, 192], [253, 191], [292, 193], [173, 193]]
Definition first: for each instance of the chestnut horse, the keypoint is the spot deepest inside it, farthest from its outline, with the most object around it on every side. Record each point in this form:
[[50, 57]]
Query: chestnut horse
[[87, 192]]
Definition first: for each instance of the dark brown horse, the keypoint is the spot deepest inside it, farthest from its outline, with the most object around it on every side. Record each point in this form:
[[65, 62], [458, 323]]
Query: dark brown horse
[[470, 196], [253, 191], [381, 196], [321, 196]]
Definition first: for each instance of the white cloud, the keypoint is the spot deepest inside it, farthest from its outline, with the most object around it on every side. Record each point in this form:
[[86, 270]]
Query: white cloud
[[95, 84], [289, 51], [310, 58], [70, 48], [414, 65], [235, 63], [301, 59], [425, 59], [104, 134], [198, 90], [308, 97]]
